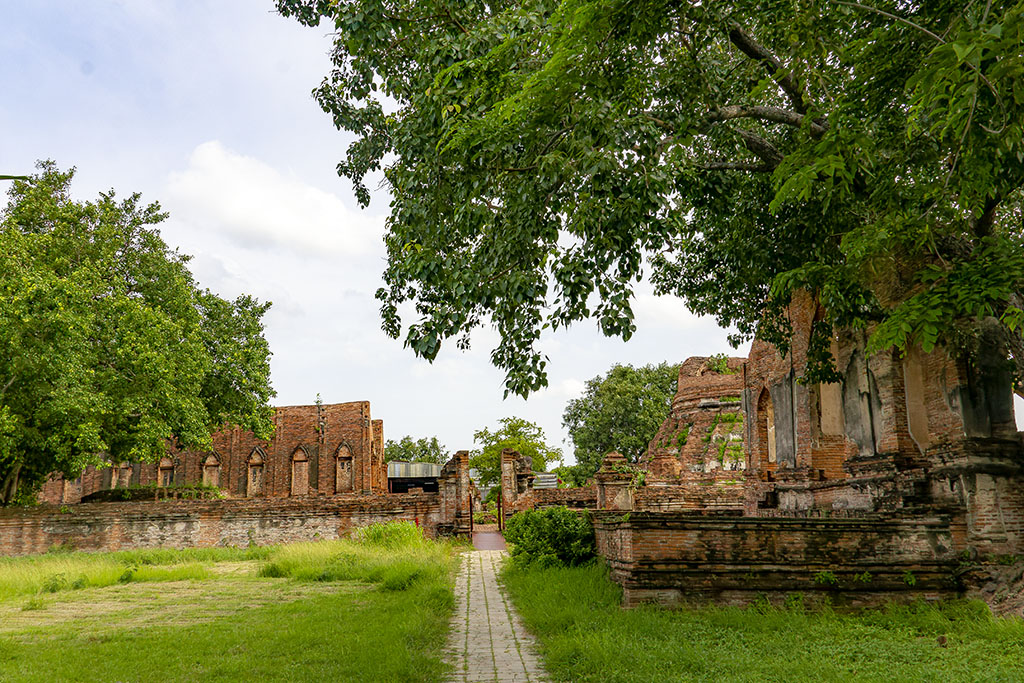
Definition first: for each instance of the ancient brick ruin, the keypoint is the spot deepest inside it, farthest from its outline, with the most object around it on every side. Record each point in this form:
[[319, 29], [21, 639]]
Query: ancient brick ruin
[[316, 450], [757, 484], [761, 484], [320, 476]]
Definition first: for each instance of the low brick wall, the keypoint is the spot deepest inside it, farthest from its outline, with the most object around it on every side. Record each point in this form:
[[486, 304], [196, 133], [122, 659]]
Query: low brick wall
[[716, 495], [676, 557], [577, 498], [199, 523]]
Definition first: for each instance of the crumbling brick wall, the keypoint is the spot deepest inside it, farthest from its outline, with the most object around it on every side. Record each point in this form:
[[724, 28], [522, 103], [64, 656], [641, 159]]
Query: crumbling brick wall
[[317, 450], [679, 557], [187, 524]]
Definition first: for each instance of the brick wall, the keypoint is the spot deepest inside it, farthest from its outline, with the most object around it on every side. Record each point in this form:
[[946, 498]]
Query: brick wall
[[584, 498], [300, 460], [186, 524], [676, 557]]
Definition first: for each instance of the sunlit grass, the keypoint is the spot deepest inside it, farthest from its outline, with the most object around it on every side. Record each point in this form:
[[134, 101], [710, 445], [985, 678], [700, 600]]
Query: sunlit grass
[[375, 608], [586, 636], [60, 571]]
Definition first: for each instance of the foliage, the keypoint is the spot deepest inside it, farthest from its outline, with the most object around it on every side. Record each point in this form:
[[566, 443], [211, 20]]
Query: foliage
[[720, 363], [540, 154], [517, 434], [489, 515], [620, 411], [572, 476], [109, 346], [552, 536], [584, 635], [420, 450]]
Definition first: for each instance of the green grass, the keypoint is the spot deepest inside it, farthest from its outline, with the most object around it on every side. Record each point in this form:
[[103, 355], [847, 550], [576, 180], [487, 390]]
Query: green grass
[[585, 636], [60, 570], [373, 609]]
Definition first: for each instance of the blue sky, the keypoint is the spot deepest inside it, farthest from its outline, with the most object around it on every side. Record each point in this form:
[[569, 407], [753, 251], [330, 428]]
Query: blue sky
[[206, 108]]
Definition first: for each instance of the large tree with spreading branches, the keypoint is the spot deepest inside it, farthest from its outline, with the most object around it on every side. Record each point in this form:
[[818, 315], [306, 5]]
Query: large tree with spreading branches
[[541, 155], [109, 350]]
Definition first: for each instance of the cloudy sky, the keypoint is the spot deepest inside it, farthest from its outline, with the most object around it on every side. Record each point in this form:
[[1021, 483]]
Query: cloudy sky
[[206, 108]]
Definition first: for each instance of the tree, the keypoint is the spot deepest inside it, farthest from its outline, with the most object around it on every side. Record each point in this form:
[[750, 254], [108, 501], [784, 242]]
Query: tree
[[420, 450], [109, 348], [620, 411], [517, 434], [539, 154]]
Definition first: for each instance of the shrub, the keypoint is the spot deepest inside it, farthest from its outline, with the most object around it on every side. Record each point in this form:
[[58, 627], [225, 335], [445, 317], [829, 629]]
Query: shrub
[[551, 536]]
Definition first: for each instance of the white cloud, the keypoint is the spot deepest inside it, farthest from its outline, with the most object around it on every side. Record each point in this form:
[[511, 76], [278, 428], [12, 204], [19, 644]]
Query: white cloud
[[254, 205], [665, 312]]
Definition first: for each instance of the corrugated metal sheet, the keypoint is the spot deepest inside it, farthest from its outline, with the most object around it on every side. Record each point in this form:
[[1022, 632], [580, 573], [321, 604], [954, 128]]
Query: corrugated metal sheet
[[545, 480], [413, 470]]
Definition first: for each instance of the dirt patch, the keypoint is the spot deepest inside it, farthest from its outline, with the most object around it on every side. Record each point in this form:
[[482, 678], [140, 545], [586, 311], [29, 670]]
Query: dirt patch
[[245, 567]]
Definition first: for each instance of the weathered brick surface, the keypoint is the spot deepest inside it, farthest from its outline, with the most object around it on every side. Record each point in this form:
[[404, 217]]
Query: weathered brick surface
[[185, 524], [584, 498], [702, 438], [239, 521], [301, 460], [684, 557]]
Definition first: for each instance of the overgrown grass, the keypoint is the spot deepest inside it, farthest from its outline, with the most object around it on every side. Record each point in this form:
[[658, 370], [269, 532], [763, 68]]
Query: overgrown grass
[[375, 608], [585, 636], [395, 556], [61, 570]]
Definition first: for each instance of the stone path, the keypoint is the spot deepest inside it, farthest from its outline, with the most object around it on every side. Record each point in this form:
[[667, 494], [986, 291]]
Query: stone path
[[487, 642]]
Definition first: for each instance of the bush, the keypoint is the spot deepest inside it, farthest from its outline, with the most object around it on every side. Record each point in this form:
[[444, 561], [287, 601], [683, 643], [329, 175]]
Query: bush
[[553, 536]]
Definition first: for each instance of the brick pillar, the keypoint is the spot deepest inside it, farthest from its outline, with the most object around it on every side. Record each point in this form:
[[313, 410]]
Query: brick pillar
[[613, 482]]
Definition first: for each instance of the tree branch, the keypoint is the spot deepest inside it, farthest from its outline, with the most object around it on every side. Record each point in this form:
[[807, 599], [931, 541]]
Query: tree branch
[[7, 386], [983, 226], [773, 114], [751, 48], [736, 166], [898, 18], [761, 147]]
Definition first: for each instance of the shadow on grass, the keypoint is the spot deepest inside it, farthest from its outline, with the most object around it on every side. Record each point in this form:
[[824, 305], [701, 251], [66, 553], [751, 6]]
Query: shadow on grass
[[585, 636]]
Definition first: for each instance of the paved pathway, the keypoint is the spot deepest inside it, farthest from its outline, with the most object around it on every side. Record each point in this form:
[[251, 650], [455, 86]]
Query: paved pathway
[[487, 642]]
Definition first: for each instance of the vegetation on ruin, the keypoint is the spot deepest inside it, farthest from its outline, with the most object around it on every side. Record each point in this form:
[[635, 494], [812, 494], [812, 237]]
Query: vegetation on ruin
[[517, 434], [408, 449], [375, 608], [620, 411], [720, 363], [542, 157], [108, 346], [585, 636]]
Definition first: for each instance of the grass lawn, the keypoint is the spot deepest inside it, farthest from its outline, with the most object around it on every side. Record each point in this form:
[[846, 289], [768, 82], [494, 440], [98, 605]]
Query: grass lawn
[[370, 610], [585, 636]]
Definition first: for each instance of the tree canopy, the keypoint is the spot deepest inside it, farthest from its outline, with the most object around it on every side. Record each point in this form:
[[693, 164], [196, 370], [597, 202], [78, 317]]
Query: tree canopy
[[620, 411], [541, 154], [519, 435], [109, 347], [407, 449]]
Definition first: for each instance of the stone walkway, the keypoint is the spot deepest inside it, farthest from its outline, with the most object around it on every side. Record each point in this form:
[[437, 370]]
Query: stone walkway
[[487, 642]]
